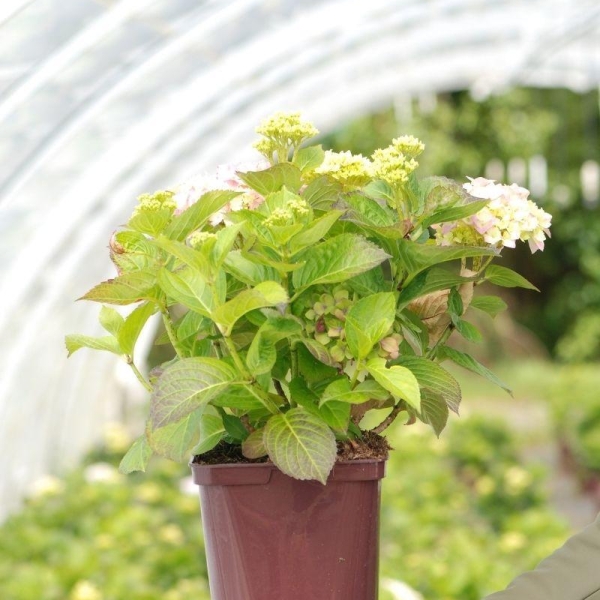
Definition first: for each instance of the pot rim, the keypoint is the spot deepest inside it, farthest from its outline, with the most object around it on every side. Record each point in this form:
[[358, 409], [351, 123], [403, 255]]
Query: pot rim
[[362, 469]]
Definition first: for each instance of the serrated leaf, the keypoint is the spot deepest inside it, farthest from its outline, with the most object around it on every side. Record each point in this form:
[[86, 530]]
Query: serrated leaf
[[188, 256], [243, 268], [369, 212], [244, 398], [432, 280], [492, 305], [321, 193], [111, 320], [368, 321], [234, 427], [468, 362], [337, 259], [124, 289], [467, 330], [434, 412], [341, 391], [253, 446], [431, 376], [315, 232], [176, 440], [133, 325], [308, 159], [318, 351], [398, 380], [442, 192], [224, 243], [190, 324], [418, 257], [271, 180], [455, 303], [107, 343], [211, 431], [137, 457], [381, 190], [151, 223], [187, 287], [337, 415], [454, 213], [267, 293], [197, 214], [369, 282], [300, 444], [505, 277], [187, 385]]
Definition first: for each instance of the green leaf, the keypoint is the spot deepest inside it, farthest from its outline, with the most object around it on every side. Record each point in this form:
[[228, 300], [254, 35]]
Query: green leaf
[[197, 214], [300, 444], [340, 390], [137, 457], [253, 446], [187, 385], [240, 266], [318, 351], [211, 432], [337, 415], [418, 257], [234, 427], [336, 260], [125, 289], [507, 278], [381, 190], [467, 330], [369, 282], [111, 320], [398, 380], [133, 325], [454, 213], [188, 256], [273, 179], [225, 240], [432, 280], [434, 412], [316, 232], [434, 378], [107, 343], [455, 303], [245, 398], [308, 159], [468, 362], [368, 321], [189, 288], [176, 439], [441, 193], [489, 304], [190, 324], [369, 212], [267, 293], [151, 223], [322, 193]]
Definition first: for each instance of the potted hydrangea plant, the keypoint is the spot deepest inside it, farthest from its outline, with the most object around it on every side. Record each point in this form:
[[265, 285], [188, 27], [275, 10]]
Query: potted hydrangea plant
[[298, 294]]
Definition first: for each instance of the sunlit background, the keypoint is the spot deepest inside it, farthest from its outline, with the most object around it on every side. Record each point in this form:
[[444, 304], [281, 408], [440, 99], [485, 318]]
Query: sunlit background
[[103, 100]]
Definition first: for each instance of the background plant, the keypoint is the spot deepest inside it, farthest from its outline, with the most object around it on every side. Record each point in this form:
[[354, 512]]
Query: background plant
[[299, 296]]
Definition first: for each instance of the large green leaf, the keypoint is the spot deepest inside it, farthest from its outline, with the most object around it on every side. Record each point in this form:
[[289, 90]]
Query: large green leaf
[[507, 278], [107, 343], [187, 385], [434, 411], [273, 179], [315, 232], [492, 305], [369, 282], [253, 446], [418, 257], [321, 193], [432, 280], [176, 440], [340, 390], [210, 432], [468, 362], [300, 444], [188, 256], [267, 293], [189, 288], [434, 378], [308, 159], [239, 397], [133, 325], [151, 223], [197, 214], [368, 321], [454, 213], [398, 380], [137, 457], [337, 259], [124, 289], [190, 324], [337, 415], [369, 212], [242, 267]]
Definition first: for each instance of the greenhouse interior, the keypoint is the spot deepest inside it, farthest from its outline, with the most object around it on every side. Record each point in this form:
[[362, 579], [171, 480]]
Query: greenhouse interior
[[103, 101]]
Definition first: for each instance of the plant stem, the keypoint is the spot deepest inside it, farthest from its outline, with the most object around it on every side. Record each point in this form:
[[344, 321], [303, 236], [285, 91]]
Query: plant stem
[[171, 332], [236, 358], [389, 419], [137, 373], [442, 340], [355, 374], [294, 359]]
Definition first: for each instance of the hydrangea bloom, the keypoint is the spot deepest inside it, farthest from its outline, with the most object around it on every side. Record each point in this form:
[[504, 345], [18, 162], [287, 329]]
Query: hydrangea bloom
[[508, 217], [346, 168]]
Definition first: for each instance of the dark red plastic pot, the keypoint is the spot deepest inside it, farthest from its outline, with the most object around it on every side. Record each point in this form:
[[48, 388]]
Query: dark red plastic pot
[[271, 537]]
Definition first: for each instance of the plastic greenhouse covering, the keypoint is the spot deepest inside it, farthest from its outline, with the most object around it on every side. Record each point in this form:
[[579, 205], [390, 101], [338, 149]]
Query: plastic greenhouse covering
[[103, 100]]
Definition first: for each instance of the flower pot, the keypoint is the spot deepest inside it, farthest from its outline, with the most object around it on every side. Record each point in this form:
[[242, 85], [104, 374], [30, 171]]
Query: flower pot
[[271, 537]]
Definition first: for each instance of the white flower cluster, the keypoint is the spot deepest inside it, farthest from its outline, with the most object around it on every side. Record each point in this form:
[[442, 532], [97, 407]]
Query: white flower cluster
[[508, 217], [225, 178]]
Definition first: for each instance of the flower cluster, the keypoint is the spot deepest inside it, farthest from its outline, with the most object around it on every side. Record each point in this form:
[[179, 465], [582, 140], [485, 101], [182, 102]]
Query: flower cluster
[[508, 217], [395, 163], [295, 210], [283, 132], [163, 200], [350, 170]]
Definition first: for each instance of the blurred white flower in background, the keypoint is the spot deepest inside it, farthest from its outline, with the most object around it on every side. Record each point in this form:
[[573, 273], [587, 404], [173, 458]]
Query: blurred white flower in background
[[400, 590]]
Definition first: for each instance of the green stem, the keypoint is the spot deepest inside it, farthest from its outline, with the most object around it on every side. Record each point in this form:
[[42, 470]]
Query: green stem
[[355, 375], [137, 373], [171, 332], [442, 340], [236, 358]]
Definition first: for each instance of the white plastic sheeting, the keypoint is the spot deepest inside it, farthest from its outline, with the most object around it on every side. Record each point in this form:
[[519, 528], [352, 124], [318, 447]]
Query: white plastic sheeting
[[101, 101]]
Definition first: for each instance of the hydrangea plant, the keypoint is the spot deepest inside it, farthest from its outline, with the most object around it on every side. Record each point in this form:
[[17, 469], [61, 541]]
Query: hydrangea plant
[[302, 291]]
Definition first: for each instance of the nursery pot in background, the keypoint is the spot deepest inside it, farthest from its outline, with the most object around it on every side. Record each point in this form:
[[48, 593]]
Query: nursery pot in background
[[271, 537]]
